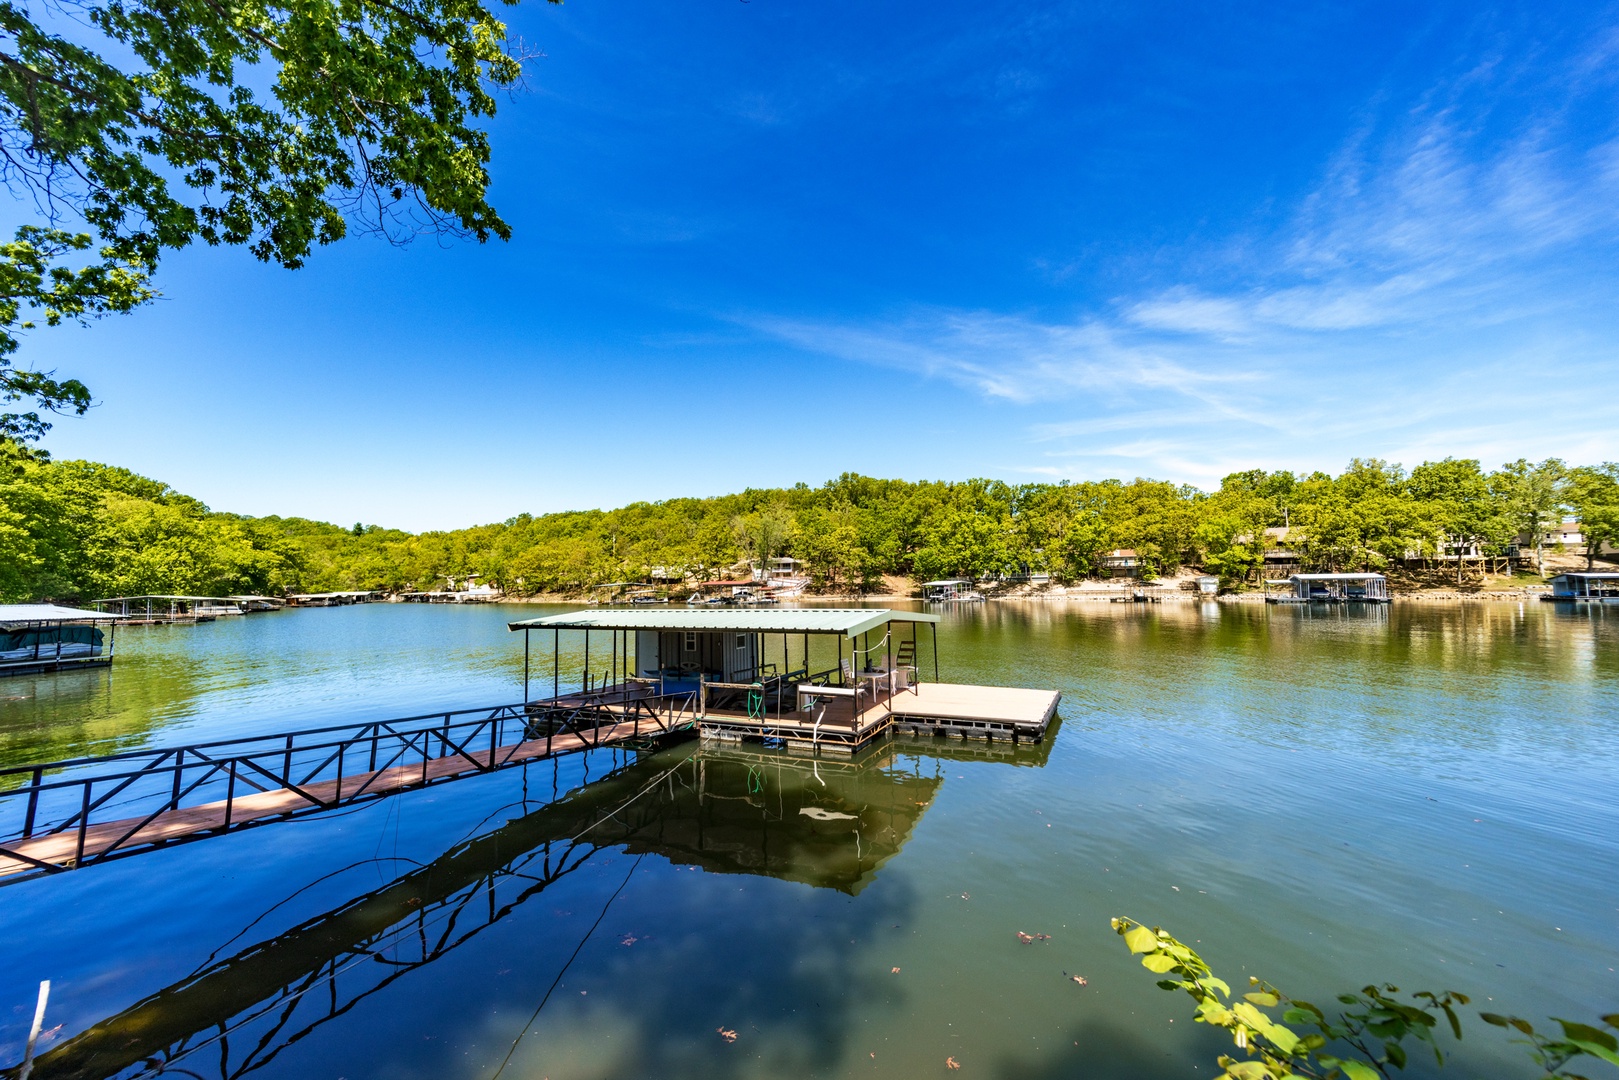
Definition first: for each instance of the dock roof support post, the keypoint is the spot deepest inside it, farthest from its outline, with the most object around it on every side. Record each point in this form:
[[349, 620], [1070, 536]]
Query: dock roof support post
[[586, 676], [556, 668], [525, 665], [935, 652]]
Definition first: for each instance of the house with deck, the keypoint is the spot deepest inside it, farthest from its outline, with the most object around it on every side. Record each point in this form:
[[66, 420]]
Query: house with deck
[[812, 679]]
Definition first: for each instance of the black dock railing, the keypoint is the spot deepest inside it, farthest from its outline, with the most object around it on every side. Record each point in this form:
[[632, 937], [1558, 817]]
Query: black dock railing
[[101, 808]]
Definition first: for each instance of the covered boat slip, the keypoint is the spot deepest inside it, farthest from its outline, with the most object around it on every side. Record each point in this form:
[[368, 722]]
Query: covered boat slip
[[1591, 587], [815, 678], [162, 608], [37, 638], [1330, 588]]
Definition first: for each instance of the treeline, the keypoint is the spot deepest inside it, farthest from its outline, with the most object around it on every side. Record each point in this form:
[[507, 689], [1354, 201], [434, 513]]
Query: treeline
[[75, 530]]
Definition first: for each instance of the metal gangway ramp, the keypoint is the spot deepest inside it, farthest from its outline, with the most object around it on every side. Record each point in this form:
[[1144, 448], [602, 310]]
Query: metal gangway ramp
[[61, 815]]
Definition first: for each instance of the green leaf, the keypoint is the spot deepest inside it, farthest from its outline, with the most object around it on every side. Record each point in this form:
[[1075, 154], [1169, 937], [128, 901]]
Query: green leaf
[[1248, 1070], [1359, 1070], [1593, 1041], [1396, 1054], [1612, 1020], [1494, 1019], [1169, 984], [1140, 940], [1158, 963], [1265, 1000], [1455, 1022]]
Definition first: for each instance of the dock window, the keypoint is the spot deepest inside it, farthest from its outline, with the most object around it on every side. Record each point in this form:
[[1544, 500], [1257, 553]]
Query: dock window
[[742, 641], [691, 641]]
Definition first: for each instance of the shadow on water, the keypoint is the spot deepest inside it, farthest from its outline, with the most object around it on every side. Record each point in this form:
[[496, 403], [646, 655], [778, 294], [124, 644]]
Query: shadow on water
[[827, 825]]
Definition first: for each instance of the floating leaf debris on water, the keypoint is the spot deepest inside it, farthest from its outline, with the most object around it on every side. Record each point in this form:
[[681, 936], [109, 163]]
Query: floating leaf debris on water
[[727, 1034], [894, 971], [951, 1063]]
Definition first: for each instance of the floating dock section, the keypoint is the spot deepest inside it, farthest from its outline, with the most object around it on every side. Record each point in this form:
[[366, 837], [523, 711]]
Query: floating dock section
[[814, 679]]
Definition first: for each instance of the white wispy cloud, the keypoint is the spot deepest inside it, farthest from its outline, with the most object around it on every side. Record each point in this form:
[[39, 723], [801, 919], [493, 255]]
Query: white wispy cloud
[[1442, 284]]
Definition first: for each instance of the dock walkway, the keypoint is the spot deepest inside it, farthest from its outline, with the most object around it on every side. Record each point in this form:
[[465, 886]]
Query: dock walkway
[[69, 814]]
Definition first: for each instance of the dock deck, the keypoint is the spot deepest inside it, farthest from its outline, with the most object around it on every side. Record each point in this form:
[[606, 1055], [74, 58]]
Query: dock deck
[[831, 722]]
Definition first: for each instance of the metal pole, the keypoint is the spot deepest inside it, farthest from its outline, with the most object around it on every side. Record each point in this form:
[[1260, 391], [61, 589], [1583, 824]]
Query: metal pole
[[556, 674], [525, 665], [33, 1032], [587, 659], [935, 652], [33, 801]]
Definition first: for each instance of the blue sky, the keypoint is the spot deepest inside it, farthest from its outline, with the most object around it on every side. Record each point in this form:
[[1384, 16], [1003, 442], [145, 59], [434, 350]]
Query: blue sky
[[764, 242]]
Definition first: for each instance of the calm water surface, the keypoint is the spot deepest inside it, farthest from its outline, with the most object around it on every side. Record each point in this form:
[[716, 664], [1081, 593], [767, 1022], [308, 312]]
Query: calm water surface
[[1423, 794]]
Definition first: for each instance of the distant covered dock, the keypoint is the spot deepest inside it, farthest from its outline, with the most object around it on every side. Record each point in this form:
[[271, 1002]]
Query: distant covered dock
[[37, 638], [814, 678], [1589, 586], [1330, 588]]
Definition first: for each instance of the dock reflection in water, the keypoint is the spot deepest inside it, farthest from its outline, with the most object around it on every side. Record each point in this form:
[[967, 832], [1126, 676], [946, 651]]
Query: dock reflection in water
[[831, 825]]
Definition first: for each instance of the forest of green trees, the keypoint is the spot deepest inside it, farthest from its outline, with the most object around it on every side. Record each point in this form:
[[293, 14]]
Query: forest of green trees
[[76, 531]]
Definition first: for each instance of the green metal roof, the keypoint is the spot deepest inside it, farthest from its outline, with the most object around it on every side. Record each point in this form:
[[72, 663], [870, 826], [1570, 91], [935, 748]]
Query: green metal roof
[[848, 621]]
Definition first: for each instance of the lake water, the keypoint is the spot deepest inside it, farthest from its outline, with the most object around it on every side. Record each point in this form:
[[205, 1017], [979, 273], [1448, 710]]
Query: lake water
[[1423, 794]]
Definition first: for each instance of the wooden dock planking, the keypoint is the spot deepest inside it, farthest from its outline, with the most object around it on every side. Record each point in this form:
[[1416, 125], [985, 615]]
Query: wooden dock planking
[[987, 711], [994, 704], [61, 849]]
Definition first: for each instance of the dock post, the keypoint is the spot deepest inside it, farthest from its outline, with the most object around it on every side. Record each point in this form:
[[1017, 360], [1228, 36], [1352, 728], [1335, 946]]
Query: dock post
[[33, 1032], [935, 652], [230, 793], [525, 665], [33, 802]]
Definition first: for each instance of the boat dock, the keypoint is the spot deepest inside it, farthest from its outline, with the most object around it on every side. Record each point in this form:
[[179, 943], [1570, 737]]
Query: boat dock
[[753, 675], [62, 815], [40, 638], [1585, 587]]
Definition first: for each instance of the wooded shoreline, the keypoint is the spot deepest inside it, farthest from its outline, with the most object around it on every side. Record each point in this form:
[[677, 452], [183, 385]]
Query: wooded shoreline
[[75, 531]]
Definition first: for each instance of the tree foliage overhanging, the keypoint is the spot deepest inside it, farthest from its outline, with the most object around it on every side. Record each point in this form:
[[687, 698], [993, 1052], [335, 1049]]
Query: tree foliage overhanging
[[74, 530], [156, 123]]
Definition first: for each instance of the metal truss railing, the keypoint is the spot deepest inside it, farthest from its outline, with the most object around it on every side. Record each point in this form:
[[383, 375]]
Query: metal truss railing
[[105, 805]]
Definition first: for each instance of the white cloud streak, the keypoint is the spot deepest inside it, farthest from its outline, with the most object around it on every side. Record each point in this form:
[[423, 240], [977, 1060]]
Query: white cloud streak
[[1435, 291]]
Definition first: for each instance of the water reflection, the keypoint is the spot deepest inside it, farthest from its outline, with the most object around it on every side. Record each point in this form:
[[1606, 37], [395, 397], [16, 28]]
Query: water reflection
[[827, 824]]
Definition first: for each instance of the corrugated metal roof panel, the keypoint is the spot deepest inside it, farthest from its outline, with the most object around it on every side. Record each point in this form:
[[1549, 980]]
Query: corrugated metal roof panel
[[847, 621], [48, 613]]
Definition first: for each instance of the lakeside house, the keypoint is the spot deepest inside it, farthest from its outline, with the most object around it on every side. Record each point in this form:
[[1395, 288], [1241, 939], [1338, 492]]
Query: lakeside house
[[38, 638], [1120, 562]]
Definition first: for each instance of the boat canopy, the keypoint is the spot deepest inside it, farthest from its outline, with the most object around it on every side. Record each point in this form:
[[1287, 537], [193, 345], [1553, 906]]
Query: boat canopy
[[946, 581], [50, 613], [845, 621], [1336, 577]]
